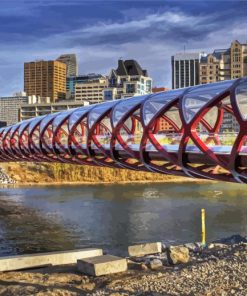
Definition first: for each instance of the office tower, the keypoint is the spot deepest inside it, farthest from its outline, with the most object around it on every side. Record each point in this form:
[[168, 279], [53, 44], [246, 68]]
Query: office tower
[[73, 80], [128, 80], [45, 79], [91, 90], [71, 62], [185, 69], [9, 107]]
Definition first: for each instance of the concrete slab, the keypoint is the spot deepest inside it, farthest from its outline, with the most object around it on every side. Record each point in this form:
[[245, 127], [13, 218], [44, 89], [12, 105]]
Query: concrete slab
[[53, 258], [102, 265], [145, 249]]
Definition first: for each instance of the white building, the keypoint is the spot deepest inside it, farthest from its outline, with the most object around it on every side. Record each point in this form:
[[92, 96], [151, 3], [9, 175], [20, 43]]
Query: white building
[[28, 111], [128, 80]]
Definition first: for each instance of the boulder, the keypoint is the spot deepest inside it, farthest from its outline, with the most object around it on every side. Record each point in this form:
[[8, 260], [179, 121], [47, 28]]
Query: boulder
[[178, 254], [192, 247], [155, 264]]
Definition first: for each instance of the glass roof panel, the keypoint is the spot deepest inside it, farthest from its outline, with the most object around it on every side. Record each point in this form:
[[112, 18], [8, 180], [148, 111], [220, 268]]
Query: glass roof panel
[[241, 98], [13, 129], [197, 97], [97, 111], [153, 105], [23, 124], [34, 122], [124, 106], [77, 114], [46, 120], [60, 117], [6, 130]]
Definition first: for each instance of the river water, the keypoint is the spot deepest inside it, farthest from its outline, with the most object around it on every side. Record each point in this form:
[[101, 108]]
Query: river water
[[38, 219]]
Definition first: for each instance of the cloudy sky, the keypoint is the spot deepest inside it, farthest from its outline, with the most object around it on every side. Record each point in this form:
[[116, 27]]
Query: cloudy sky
[[100, 32]]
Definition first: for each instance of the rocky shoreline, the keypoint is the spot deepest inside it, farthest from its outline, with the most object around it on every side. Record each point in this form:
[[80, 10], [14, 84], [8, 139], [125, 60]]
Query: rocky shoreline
[[217, 269], [5, 179]]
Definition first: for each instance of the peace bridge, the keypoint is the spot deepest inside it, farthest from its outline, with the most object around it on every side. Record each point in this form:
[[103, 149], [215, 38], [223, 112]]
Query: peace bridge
[[200, 132]]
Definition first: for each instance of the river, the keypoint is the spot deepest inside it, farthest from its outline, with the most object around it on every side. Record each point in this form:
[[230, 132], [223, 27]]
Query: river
[[48, 218]]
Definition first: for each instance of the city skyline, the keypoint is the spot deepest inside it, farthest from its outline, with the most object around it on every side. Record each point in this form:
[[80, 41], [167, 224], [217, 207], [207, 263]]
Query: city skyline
[[102, 32]]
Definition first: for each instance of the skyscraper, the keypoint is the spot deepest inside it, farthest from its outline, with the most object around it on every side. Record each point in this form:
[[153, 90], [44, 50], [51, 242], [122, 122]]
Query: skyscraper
[[45, 79], [71, 62], [185, 69]]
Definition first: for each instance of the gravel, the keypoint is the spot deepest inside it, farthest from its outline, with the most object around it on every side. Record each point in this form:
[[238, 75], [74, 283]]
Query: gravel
[[219, 270]]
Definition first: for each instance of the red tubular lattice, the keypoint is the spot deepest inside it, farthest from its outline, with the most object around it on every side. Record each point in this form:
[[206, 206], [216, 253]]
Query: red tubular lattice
[[197, 131]]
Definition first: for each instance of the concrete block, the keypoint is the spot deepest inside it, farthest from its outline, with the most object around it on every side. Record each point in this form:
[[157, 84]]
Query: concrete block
[[53, 258], [102, 265], [145, 249]]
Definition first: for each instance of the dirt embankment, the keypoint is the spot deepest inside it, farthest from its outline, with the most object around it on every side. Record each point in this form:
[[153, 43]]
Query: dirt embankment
[[48, 173]]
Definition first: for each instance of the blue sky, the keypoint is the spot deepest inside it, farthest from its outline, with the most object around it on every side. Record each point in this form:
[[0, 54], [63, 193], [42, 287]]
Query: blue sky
[[100, 32]]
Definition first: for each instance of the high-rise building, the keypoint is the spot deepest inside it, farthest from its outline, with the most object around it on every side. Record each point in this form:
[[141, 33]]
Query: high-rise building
[[9, 107], [225, 64], [45, 79], [73, 80], [91, 90], [71, 62], [185, 69], [238, 59], [128, 80], [215, 66]]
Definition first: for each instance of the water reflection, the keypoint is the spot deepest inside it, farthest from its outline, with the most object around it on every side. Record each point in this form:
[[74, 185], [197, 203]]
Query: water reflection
[[114, 216]]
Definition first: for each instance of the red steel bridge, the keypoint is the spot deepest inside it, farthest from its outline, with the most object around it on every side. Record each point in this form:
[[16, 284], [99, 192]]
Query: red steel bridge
[[200, 132]]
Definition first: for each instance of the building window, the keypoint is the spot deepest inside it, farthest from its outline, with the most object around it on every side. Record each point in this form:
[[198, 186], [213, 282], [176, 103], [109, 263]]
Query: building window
[[108, 95], [130, 88]]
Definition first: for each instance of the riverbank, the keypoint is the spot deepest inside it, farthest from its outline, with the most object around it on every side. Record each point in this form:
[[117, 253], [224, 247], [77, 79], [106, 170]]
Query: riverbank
[[220, 269], [29, 174]]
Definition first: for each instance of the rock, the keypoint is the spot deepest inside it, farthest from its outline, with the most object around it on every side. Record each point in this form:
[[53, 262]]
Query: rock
[[145, 249], [143, 266], [216, 245], [178, 254], [88, 286], [155, 264], [199, 245], [192, 247], [163, 247]]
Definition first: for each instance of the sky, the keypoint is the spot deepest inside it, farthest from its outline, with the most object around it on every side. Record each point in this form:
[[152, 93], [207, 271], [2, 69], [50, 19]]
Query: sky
[[101, 32]]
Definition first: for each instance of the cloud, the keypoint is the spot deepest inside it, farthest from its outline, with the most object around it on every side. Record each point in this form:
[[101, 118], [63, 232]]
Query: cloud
[[148, 35]]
